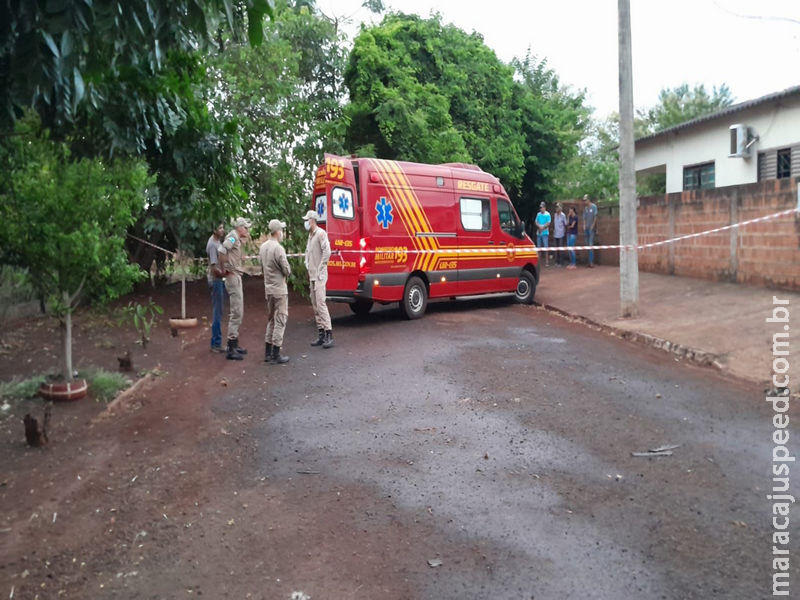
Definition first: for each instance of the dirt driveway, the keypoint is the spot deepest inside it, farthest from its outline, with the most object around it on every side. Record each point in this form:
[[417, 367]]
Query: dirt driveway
[[483, 451]]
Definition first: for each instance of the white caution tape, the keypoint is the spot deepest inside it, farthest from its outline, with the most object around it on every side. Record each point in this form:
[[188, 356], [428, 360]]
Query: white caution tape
[[512, 250]]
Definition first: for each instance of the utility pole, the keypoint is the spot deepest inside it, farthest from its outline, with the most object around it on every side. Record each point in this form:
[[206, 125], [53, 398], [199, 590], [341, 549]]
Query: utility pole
[[628, 258]]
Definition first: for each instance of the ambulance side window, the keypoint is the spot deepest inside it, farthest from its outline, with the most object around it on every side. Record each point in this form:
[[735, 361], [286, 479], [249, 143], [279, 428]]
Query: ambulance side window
[[342, 203], [476, 214], [507, 217]]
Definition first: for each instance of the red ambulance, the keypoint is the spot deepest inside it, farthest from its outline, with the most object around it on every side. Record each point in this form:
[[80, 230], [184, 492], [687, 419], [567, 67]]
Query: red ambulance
[[406, 232]]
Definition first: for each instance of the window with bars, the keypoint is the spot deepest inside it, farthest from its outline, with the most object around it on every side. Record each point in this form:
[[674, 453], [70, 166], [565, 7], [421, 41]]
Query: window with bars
[[784, 166], [698, 177]]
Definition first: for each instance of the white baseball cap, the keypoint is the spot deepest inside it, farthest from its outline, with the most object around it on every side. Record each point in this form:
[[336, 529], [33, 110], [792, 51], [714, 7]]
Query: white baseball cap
[[312, 214]]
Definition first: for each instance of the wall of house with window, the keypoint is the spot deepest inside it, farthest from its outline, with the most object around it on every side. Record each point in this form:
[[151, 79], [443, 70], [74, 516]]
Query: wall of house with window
[[697, 157]]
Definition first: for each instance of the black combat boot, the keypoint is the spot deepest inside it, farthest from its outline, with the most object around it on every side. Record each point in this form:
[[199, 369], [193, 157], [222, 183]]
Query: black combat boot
[[232, 353], [238, 348], [320, 340], [267, 352], [328, 343], [277, 357]]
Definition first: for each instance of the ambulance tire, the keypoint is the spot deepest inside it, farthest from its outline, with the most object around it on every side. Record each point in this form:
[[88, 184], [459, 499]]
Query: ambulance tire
[[526, 288], [361, 307], [415, 299]]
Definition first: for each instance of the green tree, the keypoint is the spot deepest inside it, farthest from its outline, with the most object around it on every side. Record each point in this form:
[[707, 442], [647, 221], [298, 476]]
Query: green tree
[[594, 169], [554, 120], [682, 103], [65, 221], [428, 92]]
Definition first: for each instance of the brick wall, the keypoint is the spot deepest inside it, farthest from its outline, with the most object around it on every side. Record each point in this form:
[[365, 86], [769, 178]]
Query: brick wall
[[766, 254]]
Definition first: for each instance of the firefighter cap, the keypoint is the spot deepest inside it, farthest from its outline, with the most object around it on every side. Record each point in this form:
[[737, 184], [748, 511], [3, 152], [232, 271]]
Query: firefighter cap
[[276, 225]]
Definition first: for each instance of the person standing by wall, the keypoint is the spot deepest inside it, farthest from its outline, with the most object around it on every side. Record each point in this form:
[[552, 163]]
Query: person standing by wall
[[230, 254], [276, 271], [589, 225], [560, 233], [543, 230], [572, 234], [216, 284], [318, 253]]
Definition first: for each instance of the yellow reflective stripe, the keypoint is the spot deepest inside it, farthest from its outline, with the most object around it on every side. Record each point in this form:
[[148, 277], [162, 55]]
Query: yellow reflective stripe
[[418, 212], [408, 223], [399, 195]]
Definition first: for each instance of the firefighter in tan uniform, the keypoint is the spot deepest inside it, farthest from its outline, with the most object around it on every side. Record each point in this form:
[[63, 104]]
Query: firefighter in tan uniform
[[230, 255], [276, 270], [318, 252]]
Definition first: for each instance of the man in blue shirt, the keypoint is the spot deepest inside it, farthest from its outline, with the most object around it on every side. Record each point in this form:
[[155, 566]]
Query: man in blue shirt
[[543, 230]]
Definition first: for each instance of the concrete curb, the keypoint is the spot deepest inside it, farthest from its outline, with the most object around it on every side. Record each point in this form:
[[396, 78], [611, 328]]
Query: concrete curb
[[694, 355]]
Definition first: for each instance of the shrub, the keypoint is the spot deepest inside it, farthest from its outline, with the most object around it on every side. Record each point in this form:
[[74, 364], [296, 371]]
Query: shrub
[[20, 389], [104, 385]]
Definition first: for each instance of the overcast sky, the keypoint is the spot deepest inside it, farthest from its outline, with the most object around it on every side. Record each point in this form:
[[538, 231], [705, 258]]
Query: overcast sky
[[693, 41]]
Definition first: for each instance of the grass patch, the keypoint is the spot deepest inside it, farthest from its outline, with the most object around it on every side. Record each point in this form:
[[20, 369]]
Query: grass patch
[[20, 389], [104, 385]]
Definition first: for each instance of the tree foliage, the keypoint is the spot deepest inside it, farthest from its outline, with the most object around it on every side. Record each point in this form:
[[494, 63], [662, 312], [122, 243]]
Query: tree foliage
[[594, 168], [80, 58], [424, 91], [429, 92], [286, 97], [554, 120], [680, 104], [196, 165]]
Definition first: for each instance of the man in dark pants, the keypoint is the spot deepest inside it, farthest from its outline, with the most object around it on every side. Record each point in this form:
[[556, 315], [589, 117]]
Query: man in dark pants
[[589, 225], [216, 284]]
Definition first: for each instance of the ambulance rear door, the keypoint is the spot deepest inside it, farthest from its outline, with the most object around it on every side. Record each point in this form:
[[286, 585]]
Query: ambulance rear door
[[336, 200]]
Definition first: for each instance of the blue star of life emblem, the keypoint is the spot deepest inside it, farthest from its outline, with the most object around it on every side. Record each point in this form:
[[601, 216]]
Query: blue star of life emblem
[[344, 203], [384, 210], [321, 208]]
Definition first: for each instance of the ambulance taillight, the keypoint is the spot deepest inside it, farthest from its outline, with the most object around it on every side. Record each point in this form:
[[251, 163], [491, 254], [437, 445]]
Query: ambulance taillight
[[363, 264]]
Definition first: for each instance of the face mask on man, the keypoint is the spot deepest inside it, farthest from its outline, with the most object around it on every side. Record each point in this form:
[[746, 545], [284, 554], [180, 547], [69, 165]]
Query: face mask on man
[[307, 225]]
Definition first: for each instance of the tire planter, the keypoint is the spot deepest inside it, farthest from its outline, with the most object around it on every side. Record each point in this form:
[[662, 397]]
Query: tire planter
[[178, 323], [64, 391]]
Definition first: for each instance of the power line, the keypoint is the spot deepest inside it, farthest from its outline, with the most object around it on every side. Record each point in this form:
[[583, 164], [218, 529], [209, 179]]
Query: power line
[[757, 17]]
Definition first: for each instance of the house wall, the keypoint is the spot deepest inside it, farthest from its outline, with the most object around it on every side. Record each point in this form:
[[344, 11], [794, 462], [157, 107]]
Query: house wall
[[777, 124], [762, 254]]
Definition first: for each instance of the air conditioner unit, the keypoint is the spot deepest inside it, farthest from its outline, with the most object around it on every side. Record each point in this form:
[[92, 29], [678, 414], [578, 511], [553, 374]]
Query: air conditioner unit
[[741, 140]]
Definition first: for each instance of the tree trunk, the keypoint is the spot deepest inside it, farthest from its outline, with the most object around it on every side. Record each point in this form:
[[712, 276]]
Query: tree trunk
[[183, 293], [66, 338]]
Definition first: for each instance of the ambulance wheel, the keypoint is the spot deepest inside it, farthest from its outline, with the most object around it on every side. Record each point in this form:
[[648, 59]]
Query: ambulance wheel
[[526, 288], [361, 307], [415, 299]]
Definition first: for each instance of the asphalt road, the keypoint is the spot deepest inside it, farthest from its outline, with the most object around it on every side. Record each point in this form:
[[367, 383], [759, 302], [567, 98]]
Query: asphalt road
[[497, 439], [482, 452]]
